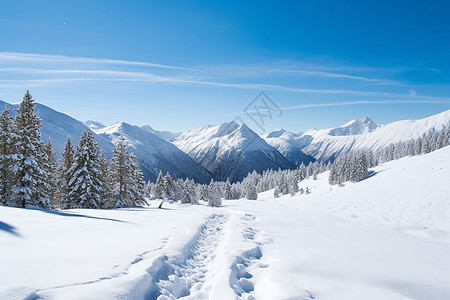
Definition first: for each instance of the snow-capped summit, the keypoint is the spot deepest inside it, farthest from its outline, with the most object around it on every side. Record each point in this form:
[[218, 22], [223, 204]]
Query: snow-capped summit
[[94, 125], [155, 153], [230, 150], [355, 127]]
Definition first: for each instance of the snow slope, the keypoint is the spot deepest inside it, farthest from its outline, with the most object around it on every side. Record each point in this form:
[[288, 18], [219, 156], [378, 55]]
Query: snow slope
[[59, 127], [230, 150], [386, 237], [155, 153]]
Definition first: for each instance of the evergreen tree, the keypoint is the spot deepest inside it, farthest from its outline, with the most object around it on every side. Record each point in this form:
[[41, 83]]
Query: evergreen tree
[[120, 173], [6, 143], [276, 193], [158, 191], [86, 180], [228, 195], [68, 157], [186, 196], [108, 200], [204, 193], [251, 193], [52, 175], [169, 186], [214, 199], [283, 186], [29, 180], [138, 183]]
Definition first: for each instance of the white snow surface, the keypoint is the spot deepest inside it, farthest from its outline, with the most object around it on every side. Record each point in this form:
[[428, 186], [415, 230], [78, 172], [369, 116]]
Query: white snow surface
[[230, 150], [386, 237]]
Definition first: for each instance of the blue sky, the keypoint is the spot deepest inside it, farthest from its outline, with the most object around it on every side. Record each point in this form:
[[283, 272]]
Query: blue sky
[[181, 64]]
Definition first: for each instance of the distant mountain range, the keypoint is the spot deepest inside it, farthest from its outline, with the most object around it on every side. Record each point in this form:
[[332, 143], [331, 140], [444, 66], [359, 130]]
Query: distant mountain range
[[230, 150], [326, 144]]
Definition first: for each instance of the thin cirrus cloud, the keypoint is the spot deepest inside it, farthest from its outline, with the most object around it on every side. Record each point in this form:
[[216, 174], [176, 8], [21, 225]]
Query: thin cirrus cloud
[[44, 58], [43, 70]]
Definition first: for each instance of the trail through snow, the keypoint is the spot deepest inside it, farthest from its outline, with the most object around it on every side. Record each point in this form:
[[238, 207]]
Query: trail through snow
[[187, 275]]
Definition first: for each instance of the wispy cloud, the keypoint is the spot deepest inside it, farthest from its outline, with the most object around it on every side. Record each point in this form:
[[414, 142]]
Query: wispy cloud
[[359, 102], [43, 58], [43, 70]]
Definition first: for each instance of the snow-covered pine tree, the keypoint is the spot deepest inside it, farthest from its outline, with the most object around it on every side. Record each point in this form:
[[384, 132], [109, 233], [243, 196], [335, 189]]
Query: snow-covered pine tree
[[6, 143], [158, 191], [228, 194], [276, 193], [52, 175], [214, 199], [251, 193], [169, 186], [138, 183], [120, 168], [204, 193], [186, 196], [29, 180], [293, 185], [68, 157], [107, 190], [149, 190], [86, 182], [283, 186], [192, 191]]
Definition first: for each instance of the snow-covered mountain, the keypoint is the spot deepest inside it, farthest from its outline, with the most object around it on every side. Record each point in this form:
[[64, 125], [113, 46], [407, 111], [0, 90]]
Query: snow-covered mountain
[[289, 145], [155, 153], [230, 150], [58, 127], [166, 135], [329, 143]]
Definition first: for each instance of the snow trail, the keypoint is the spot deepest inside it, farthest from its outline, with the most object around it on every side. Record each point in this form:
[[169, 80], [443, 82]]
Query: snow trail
[[185, 276]]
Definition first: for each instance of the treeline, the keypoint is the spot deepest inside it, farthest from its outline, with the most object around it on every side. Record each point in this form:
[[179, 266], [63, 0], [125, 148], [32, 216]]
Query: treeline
[[283, 181], [354, 165], [31, 175]]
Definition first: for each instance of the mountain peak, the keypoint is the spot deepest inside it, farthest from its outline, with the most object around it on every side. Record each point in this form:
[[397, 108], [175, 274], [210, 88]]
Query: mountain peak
[[275, 133], [354, 127]]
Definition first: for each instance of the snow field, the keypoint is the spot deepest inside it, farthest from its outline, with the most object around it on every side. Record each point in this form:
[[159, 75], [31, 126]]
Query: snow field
[[386, 237]]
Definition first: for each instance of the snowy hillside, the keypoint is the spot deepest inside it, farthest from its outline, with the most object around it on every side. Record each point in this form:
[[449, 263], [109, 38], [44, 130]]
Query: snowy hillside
[[386, 237], [230, 150], [359, 134], [59, 127], [155, 153]]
